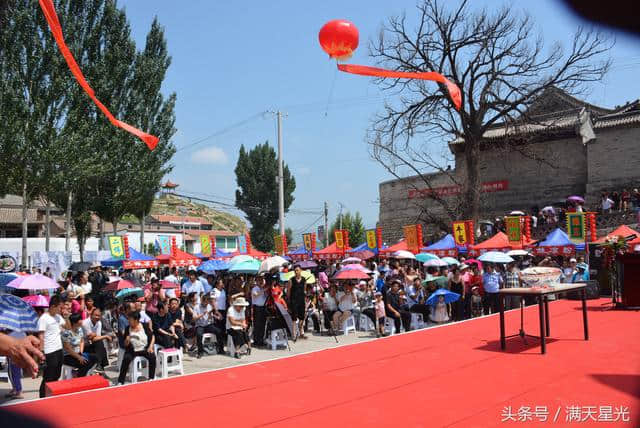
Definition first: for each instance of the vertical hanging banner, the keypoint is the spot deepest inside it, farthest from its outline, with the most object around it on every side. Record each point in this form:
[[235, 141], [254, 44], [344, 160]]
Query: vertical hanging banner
[[514, 228], [339, 239], [372, 242], [247, 240], [49, 11], [242, 244], [165, 244], [471, 233], [174, 246], [460, 230], [279, 244], [576, 228], [306, 238], [125, 243], [411, 238], [205, 245], [379, 237], [116, 247], [313, 242]]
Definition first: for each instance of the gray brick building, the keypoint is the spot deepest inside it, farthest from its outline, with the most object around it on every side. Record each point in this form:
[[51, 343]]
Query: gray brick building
[[551, 161]]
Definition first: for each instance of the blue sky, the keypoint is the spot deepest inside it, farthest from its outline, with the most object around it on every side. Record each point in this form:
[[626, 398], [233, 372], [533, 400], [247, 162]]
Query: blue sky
[[234, 60]]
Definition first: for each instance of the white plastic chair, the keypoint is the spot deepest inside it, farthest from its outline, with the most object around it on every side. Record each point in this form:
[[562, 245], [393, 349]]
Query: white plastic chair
[[209, 343], [67, 372], [349, 325], [276, 338], [170, 361], [417, 321], [389, 326], [365, 323], [139, 368]]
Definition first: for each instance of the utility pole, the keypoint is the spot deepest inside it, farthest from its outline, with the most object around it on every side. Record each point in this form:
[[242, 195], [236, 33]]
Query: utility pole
[[279, 115], [340, 214], [326, 224]]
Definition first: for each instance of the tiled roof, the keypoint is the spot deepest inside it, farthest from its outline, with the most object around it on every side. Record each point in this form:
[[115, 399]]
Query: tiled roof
[[178, 218], [212, 232], [14, 215]]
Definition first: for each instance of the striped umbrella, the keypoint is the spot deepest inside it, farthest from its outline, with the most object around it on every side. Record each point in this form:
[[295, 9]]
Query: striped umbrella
[[17, 315]]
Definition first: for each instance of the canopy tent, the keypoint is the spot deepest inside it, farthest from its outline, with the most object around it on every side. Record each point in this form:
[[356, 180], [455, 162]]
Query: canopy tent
[[256, 254], [136, 260], [299, 254], [556, 243], [498, 242], [330, 252], [446, 247], [220, 254], [400, 246], [179, 258], [621, 231]]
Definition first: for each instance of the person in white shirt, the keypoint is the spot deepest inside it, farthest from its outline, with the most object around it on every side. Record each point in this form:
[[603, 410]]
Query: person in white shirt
[[259, 299], [329, 306], [50, 327], [95, 340], [346, 300], [203, 317], [219, 296], [84, 284], [193, 285], [144, 318], [172, 277], [237, 325]]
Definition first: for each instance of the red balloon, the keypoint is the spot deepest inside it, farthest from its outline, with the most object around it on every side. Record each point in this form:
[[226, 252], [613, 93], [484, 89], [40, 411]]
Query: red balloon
[[339, 38]]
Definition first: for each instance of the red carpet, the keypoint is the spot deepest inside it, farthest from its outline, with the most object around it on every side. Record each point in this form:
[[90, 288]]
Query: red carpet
[[449, 376]]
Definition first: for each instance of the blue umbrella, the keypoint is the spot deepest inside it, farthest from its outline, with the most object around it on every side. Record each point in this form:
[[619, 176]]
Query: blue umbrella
[[17, 315], [449, 296], [495, 257], [212, 266], [6, 278], [127, 292], [248, 266]]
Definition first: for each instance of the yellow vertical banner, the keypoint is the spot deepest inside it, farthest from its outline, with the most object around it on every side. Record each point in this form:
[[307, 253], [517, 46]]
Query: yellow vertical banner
[[372, 242], [339, 239], [514, 229], [576, 227], [460, 232], [307, 241], [411, 237], [205, 245], [277, 239], [116, 247]]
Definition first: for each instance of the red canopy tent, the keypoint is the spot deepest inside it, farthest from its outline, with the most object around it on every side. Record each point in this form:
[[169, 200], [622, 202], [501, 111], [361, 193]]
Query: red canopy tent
[[256, 254], [330, 252], [621, 231], [498, 242], [400, 246], [179, 258]]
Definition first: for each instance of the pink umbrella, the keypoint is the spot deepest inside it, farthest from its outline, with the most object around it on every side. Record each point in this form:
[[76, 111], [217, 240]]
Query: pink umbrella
[[351, 274], [37, 300], [33, 282], [355, 267], [168, 284], [120, 284]]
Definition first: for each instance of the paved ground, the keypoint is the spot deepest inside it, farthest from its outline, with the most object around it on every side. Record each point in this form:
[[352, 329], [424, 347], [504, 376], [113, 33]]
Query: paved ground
[[193, 365]]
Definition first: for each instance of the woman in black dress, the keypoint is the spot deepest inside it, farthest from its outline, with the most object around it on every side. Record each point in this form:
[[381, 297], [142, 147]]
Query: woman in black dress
[[456, 285], [296, 296]]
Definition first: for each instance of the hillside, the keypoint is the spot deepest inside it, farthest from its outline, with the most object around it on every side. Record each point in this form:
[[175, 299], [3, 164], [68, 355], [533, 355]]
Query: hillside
[[169, 205]]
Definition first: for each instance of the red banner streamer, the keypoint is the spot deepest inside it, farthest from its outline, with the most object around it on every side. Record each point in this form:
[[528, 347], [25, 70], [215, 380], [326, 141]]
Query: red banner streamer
[[363, 70], [56, 29]]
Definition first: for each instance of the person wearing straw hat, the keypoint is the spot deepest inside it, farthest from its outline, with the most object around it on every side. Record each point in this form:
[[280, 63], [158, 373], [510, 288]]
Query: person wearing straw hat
[[237, 325]]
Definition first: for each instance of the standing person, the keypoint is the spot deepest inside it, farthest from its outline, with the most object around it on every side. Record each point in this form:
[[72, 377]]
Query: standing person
[[296, 294], [219, 302], [379, 314], [50, 328], [172, 277], [138, 342], [74, 350], [606, 203], [456, 285], [193, 285], [512, 280], [492, 282], [259, 300], [15, 372]]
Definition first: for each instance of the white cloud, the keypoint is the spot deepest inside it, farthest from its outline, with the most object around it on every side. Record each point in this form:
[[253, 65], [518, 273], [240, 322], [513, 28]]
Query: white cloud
[[213, 155]]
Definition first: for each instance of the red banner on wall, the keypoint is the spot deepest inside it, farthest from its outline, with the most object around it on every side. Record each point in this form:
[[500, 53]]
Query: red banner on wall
[[488, 187]]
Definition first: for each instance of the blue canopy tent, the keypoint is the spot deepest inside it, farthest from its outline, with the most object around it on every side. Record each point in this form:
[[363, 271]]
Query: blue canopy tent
[[362, 247], [136, 260], [557, 242], [444, 247], [299, 253], [212, 266], [220, 254]]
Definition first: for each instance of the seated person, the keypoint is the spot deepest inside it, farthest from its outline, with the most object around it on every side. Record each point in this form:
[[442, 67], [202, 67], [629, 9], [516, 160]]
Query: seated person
[[95, 340], [395, 307], [204, 316], [73, 345], [177, 321], [138, 342], [237, 325], [163, 330], [329, 306], [346, 301]]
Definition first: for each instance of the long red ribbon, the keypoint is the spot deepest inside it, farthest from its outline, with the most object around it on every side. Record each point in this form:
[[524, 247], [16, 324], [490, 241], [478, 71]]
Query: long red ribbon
[[363, 70], [52, 18]]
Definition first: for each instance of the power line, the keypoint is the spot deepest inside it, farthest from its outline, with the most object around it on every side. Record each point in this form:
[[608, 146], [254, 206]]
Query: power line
[[233, 207], [222, 131]]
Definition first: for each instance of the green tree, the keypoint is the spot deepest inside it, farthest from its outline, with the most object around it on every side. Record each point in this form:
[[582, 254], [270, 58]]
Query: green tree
[[257, 193], [352, 223]]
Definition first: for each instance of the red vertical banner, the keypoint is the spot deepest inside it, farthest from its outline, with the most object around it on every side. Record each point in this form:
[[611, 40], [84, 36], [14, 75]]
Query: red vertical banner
[[527, 228], [212, 238], [174, 246], [345, 234], [379, 237], [284, 245], [469, 227], [313, 242], [248, 238], [127, 254], [420, 237]]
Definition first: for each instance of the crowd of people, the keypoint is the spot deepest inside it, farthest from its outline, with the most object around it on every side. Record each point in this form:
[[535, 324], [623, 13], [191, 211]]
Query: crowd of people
[[85, 325]]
